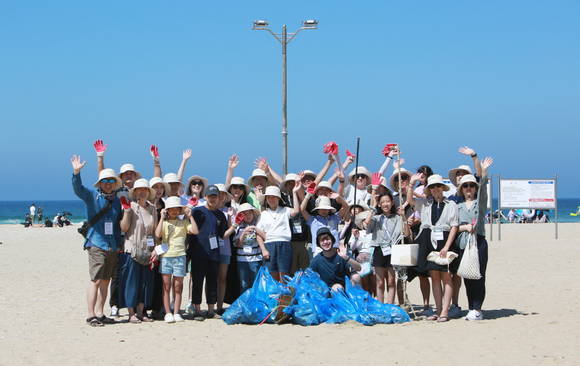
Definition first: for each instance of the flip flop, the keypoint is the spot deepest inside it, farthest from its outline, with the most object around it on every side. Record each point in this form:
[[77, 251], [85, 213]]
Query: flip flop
[[103, 319], [442, 319], [433, 317], [94, 322], [134, 320]]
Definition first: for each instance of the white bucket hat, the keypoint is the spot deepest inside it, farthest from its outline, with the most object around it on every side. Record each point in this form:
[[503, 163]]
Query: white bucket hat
[[247, 207], [291, 177], [172, 202], [273, 191], [323, 184], [323, 203], [109, 173], [468, 178], [171, 178], [453, 173], [239, 181], [222, 188], [396, 175], [191, 179], [361, 170], [142, 183], [257, 173], [432, 180], [129, 168], [156, 180], [309, 172]]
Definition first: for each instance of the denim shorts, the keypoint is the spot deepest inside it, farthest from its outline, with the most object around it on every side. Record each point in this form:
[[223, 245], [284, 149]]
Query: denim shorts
[[280, 256], [225, 259], [173, 265]]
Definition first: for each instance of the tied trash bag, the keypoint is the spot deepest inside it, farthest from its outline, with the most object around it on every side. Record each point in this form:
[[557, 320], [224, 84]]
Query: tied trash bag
[[258, 302], [311, 303]]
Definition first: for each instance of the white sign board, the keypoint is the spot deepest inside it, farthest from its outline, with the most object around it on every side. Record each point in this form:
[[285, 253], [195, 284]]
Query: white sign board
[[527, 193]]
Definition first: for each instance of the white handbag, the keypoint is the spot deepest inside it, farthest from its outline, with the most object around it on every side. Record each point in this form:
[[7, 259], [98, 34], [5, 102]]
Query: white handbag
[[435, 257], [469, 265]]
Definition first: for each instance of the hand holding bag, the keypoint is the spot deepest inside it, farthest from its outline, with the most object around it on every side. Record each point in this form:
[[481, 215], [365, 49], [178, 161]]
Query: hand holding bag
[[469, 265], [436, 258]]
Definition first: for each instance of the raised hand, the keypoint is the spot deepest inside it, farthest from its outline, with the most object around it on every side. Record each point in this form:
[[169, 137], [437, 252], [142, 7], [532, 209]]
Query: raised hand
[[311, 188], [330, 148], [375, 180], [154, 152], [342, 251], [233, 161], [485, 164], [416, 178], [192, 201], [240, 217], [125, 203], [465, 150], [76, 163], [388, 149], [262, 163], [339, 174], [297, 186], [186, 154], [100, 147], [350, 155], [187, 211]]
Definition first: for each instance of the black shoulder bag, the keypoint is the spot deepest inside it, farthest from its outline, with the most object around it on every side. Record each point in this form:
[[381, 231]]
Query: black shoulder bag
[[84, 230]]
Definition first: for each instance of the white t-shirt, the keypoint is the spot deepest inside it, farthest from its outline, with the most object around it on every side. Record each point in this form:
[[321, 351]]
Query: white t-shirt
[[276, 224], [361, 195], [32, 210]]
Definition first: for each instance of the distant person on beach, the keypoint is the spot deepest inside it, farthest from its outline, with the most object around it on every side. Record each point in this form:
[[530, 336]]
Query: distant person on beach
[[32, 210], [103, 236], [39, 214]]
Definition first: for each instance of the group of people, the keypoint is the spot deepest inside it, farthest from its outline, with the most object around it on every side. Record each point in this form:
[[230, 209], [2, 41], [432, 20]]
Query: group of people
[[37, 214], [144, 236]]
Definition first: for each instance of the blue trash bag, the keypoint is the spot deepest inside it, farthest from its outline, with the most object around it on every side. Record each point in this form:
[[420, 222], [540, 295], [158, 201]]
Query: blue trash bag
[[258, 302], [310, 302]]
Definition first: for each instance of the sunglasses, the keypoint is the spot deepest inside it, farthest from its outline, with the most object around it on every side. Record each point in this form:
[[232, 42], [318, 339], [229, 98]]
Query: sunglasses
[[360, 176], [109, 180], [196, 183], [437, 185], [470, 185]]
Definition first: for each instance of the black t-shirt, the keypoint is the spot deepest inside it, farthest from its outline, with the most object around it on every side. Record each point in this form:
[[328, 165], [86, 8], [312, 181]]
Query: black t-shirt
[[208, 223], [331, 270]]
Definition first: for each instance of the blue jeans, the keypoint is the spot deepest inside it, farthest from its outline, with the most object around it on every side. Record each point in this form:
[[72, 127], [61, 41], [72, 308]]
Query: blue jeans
[[135, 283], [280, 256], [247, 272]]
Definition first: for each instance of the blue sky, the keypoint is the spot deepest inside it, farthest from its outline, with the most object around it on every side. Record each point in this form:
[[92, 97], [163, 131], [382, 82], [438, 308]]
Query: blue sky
[[502, 77]]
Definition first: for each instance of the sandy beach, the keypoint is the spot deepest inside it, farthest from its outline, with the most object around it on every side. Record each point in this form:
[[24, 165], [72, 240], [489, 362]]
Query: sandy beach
[[529, 309]]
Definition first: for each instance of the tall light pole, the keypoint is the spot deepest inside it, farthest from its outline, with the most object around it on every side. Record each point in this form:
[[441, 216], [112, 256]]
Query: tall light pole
[[284, 38]]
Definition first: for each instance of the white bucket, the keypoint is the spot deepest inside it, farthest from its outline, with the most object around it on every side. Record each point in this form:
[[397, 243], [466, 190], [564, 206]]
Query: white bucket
[[404, 255]]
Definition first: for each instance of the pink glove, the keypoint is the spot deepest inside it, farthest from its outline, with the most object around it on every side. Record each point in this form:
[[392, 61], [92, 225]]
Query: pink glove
[[126, 204], [240, 218], [330, 148], [155, 152], [311, 188], [387, 149], [192, 202], [100, 147], [375, 180], [349, 154]]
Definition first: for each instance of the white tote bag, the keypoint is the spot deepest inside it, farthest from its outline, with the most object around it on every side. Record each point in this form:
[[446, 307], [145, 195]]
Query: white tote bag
[[469, 265]]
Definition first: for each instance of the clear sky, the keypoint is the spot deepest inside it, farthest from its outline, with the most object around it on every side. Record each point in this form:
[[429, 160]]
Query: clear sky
[[500, 76]]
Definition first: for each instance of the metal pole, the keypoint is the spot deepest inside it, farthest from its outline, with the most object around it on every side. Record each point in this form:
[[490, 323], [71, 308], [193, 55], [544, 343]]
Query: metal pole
[[284, 103], [356, 167], [556, 204], [491, 208], [499, 209]]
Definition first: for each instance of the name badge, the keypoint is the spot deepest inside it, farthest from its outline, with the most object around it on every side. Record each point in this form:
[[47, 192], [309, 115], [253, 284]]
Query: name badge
[[161, 249], [108, 227], [213, 243], [438, 235], [297, 226], [248, 250], [150, 241], [386, 250]]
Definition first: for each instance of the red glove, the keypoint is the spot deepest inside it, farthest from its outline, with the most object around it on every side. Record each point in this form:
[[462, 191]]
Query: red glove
[[330, 148], [349, 154], [240, 218], [311, 188], [192, 202], [100, 147], [155, 152], [387, 149], [376, 179], [126, 204], [153, 263]]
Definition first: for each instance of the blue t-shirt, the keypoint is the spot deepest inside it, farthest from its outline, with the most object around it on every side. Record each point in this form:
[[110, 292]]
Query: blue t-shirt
[[331, 270], [209, 223]]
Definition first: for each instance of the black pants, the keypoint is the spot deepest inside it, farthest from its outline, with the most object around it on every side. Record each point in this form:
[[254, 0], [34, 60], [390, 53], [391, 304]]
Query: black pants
[[157, 301], [114, 287], [476, 288], [203, 268]]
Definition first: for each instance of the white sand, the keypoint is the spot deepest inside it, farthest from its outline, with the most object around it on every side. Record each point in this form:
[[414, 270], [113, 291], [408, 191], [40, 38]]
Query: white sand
[[530, 308]]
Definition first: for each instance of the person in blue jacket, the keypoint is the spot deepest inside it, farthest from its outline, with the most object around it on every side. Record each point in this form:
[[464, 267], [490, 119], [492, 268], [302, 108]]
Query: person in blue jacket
[[103, 237]]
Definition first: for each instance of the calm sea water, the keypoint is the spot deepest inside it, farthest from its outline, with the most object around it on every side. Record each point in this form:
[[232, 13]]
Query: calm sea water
[[12, 212]]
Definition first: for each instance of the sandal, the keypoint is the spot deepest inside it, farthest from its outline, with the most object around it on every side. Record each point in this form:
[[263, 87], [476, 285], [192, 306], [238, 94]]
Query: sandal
[[94, 322], [433, 317], [103, 319], [213, 315], [134, 319], [145, 319], [442, 319]]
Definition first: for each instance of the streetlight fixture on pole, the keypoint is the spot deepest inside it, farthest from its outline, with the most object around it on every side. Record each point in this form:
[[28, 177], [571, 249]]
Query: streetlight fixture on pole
[[284, 38]]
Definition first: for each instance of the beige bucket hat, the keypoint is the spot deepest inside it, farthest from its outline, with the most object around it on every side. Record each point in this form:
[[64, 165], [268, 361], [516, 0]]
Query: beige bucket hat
[[468, 178], [247, 207], [142, 183], [361, 170], [453, 173], [156, 180], [129, 168], [395, 175], [191, 179], [273, 191], [290, 177], [109, 173], [257, 173], [171, 178], [323, 203], [222, 188], [239, 181], [172, 202], [323, 184], [432, 180]]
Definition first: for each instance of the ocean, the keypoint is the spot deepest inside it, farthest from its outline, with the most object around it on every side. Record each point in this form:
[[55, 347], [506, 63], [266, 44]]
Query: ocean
[[12, 212]]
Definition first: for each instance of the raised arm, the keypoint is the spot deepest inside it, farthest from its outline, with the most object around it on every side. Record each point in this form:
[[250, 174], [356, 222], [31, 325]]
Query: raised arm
[[344, 212], [81, 191], [185, 157], [273, 177], [100, 149], [297, 205], [345, 165], [233, 162], [322, 173], [465, 150], [303, 206], [410, 193], [156, 165], [482, 194], [194, 229]]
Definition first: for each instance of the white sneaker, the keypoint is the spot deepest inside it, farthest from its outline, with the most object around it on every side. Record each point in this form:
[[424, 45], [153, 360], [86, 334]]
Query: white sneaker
[[474, 315], [189, 309], [178, 318], [114, 311], [454, 311], [169, 318]]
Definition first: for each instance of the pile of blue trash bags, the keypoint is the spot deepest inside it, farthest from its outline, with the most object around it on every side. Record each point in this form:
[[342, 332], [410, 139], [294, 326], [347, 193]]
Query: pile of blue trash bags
[[312, 303]]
